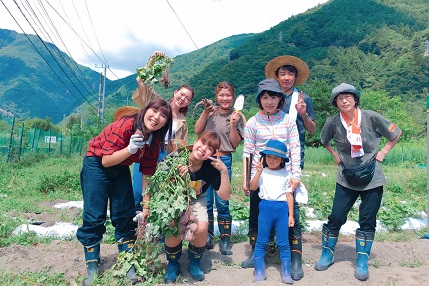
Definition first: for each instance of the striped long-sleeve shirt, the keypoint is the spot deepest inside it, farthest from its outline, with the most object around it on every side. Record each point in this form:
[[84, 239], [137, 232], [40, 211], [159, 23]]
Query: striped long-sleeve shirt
[[261, 128]]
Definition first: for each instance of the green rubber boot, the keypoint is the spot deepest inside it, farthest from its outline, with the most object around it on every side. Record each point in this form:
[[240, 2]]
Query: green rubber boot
[[224, 225], [128, 246], [248, 263]]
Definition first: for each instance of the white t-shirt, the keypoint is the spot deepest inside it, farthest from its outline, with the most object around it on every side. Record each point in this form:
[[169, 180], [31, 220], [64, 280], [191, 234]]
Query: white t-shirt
[[273, 185]]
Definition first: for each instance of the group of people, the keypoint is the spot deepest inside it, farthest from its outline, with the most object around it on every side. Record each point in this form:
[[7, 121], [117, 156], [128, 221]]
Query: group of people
[[273, 160]]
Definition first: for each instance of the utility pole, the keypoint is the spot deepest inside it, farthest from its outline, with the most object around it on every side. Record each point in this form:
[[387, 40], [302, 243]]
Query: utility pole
[[102, 93]]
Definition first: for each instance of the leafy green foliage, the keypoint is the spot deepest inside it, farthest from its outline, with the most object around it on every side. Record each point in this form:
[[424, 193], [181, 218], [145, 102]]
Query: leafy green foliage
[[239, 211], [64, 182], [152, 71], [170, 195]]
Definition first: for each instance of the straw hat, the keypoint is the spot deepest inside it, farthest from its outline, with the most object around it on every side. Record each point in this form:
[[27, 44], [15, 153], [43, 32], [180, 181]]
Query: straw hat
[[300, 65], [125, 111]]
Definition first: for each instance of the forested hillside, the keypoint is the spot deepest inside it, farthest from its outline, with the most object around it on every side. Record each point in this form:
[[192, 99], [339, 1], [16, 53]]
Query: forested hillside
[[376, 45]]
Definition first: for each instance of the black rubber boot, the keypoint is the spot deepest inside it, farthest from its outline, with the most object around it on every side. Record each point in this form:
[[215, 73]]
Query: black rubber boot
[[296, 271], [173, 255], [128, 246], [248, 263], [194, 257], [92, 258], [224, 225], [209, 243]]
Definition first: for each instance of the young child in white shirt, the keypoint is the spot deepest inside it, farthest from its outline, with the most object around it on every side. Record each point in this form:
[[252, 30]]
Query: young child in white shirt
[[275, 208]]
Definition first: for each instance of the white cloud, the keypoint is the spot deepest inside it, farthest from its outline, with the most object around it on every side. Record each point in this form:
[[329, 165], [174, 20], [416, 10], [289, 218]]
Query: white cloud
[[129, 31]]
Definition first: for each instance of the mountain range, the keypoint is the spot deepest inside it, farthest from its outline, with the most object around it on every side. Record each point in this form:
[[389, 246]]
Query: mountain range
[[372, 44]]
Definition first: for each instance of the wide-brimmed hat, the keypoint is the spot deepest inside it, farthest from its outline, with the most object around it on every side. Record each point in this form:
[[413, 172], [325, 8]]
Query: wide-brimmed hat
[[343, 88], [300, 65], [275, 147], [269, 84], [125, 111]]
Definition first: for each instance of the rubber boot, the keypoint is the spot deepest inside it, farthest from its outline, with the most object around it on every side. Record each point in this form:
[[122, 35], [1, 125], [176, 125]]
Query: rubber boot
[[92, 258], [128, 246], [209, 243], [329, 240], [364, 242], [224, 225], [260, 274], [194, 257], [248, 263], [173, 255], [286, 278], [296, 271]]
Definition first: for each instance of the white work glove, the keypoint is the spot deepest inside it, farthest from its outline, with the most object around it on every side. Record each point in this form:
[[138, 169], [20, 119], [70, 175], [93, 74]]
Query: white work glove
[[136, 142], [138, 217]]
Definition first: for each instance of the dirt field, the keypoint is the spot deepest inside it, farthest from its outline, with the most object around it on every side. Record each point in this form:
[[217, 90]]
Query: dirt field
[[391, 263]]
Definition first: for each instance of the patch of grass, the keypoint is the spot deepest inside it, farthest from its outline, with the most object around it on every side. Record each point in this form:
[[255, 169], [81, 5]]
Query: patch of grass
[[34, 278], [413, 263]]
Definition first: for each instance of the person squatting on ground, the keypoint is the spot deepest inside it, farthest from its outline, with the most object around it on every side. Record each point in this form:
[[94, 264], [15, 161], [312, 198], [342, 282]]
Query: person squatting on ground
[[269, 123], [179, 106], [275, 207], [201, 166], [229, 125], [357, 135], [105, 178], [291, 71]]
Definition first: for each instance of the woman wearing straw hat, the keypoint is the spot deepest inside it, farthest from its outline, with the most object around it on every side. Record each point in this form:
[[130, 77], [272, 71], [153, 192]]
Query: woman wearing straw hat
[[105, 178], [290, 72], [357, 135], [269, 123], [179, 106]]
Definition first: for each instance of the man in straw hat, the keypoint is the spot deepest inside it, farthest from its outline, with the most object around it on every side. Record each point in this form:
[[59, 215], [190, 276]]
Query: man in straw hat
[[290, 72]]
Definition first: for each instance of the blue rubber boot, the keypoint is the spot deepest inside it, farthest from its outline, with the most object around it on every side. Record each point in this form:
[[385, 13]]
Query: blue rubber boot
[[364, 242], [92, 258], [128, 246], [260, 274], [329, 240], [194, 257], [173, 255], [286, 278]]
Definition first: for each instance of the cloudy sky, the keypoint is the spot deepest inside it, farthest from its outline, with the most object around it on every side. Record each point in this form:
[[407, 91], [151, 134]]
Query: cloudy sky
[[123, 34]]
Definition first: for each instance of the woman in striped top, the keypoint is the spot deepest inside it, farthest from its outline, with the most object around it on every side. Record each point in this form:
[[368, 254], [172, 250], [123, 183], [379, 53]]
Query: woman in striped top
[[269, 123]]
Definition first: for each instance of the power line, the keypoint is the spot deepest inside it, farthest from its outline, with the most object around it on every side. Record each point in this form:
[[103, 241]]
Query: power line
[[46, 49]]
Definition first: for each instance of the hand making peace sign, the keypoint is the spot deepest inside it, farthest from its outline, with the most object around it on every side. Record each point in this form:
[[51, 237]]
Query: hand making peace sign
[[301, 106], [218, 164]]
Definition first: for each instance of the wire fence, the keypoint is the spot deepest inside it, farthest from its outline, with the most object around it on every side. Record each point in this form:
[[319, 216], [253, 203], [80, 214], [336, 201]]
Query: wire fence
[[21, 141]]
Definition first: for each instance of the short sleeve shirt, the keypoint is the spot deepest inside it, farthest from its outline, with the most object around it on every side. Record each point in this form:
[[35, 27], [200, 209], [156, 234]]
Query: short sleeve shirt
[[209, 174], [373, 127], [221, 124], [116, 136]]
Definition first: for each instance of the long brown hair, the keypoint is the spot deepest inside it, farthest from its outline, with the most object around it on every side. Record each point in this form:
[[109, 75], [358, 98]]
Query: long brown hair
[[162, 106]]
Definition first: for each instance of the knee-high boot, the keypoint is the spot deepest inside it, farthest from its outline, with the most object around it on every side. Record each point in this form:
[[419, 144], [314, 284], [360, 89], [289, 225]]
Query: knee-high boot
[[173, 255], [209, 243], [224, 225], [286, 278], [92, 258], [364, 242], [260, 272], [329, 240], [128, 246], [194, 257], [248, 263], [296, 271]]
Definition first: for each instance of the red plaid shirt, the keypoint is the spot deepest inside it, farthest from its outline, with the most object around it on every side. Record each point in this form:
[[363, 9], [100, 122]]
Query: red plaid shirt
[[116, 136]]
